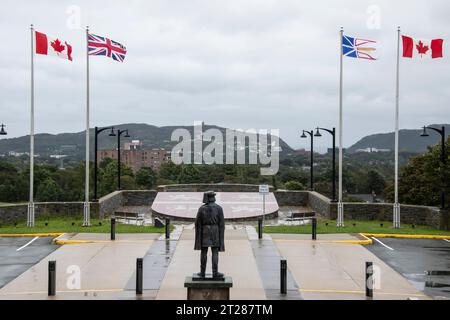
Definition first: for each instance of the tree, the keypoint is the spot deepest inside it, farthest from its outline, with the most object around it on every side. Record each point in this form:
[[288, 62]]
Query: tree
[[145, 178], [49, 191], [375, 182], [169, 171], [294, 185], [108, 177], [12, 185], [421, 179]]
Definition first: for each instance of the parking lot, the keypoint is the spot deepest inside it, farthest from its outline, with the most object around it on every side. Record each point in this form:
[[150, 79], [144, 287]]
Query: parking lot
[[20, 253], [424, 262]]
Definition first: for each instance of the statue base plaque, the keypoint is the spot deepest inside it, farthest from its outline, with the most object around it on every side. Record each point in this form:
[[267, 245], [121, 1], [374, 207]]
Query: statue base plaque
[[208, 288]]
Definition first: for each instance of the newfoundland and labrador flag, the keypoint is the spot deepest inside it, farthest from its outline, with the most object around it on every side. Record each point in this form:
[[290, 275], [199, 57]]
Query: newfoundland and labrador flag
[[359, 48], [420, 48], [101, 46]]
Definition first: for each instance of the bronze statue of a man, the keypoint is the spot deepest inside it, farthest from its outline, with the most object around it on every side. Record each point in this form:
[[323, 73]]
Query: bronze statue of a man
[[209, 233]]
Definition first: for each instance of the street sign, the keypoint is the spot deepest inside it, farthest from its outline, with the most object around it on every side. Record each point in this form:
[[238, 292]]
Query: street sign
[[263, 188]]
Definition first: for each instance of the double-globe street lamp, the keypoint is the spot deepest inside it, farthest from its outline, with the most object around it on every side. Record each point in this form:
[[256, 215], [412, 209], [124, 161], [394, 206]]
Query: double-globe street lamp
[[333, 134], [97, 132], [443, 158], [2, 130], [119, 133]]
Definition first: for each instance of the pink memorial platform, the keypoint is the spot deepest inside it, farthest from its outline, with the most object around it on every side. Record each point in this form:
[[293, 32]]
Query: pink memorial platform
[[236, 205]]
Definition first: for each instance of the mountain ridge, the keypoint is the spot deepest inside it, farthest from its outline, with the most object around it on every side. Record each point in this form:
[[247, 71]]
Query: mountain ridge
[[73, 144], [409, 140]]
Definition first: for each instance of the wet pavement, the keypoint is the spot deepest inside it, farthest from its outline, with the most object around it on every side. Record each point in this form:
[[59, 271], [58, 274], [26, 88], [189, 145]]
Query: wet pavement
[[267, 260], [16, 259], [155, 264], [424, 262]]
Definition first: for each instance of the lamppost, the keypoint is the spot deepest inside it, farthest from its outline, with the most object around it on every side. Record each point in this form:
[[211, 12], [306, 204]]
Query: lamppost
[[443, 160], [119, 133], [2, 130], [97, 132], [333, 134], [311, 134]]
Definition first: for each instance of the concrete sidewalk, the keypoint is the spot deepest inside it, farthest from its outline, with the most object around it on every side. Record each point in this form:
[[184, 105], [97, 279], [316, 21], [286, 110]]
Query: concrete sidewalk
[[334, 271], [104, 268], [237, 261], [321, 269]]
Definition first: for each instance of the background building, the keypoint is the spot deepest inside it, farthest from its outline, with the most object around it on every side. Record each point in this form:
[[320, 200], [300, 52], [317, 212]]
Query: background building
[[136, 157]]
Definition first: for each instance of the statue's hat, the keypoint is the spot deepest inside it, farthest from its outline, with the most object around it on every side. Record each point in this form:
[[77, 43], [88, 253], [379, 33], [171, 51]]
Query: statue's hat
[[208, 194]]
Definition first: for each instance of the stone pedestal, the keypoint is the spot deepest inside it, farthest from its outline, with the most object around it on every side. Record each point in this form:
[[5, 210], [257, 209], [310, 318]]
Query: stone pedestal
[[208, 288]]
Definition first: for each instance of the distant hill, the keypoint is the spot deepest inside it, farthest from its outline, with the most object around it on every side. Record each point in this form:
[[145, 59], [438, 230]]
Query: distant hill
[[73, 144], [409, 140]]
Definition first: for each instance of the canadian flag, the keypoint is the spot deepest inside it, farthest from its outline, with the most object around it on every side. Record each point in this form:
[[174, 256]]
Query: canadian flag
[[415, 48], [55, 47]]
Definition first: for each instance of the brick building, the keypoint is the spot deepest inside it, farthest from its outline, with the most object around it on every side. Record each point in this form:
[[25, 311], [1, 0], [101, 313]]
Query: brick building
[[136, 157]]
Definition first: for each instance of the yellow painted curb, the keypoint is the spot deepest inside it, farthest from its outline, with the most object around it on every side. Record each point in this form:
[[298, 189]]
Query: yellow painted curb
[[54, 234], [68, 241], [61, 242], [360, 292], [405, 236]]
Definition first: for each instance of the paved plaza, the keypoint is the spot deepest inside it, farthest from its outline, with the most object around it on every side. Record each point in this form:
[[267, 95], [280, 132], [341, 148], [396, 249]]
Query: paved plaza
[[330, 268]]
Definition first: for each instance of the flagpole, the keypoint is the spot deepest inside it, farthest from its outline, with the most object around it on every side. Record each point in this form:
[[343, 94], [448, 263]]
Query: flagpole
[[86, 220], [30, 211], [340, 213], [396, 208]]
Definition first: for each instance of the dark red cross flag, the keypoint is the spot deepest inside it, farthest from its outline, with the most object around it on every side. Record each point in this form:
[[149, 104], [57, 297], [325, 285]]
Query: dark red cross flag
[[52, 46]]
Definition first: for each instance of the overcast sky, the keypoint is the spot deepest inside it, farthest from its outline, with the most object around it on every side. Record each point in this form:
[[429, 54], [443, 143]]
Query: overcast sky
[[236, 63]]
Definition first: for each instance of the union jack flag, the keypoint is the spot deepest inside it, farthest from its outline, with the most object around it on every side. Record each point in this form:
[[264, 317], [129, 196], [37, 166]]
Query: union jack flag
[[101, 46]]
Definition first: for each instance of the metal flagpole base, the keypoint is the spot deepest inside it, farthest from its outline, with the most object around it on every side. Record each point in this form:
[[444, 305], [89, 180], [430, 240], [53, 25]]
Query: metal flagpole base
[[87, 215], [396, 215], [340, 214], [30, 215]]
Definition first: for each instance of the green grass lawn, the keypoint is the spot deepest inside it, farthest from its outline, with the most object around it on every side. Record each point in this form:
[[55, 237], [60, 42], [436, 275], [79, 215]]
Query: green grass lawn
[[352, 226], [65, 225]]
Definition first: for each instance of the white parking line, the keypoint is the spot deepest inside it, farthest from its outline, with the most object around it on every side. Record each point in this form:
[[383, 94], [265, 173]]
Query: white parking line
[[446, 240], [30, 242], [382, 243]]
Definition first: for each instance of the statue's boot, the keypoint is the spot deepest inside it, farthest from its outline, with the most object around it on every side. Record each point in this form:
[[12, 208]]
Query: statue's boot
[[217, 274], [201, 274]]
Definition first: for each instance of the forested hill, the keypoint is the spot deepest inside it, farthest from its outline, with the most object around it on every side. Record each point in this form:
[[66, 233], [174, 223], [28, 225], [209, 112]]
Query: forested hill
[[409, 140], [73, 144]]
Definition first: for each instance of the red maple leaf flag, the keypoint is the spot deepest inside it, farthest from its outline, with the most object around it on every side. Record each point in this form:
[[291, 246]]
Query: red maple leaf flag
[[50, 46], [420, 48]]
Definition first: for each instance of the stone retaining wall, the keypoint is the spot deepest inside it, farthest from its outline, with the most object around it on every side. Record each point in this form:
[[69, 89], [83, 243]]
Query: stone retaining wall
[[410, 214], [10, 214], [291, 198], [320, 204], [109, 203], [138, 197]]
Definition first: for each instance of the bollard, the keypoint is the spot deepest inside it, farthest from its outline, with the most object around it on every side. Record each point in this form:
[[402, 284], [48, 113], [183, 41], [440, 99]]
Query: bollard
[[283, 276], [113, 228], [52, 278], [314, 228], [369, 279], [139, 275], [167, 228], [260, 229]]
